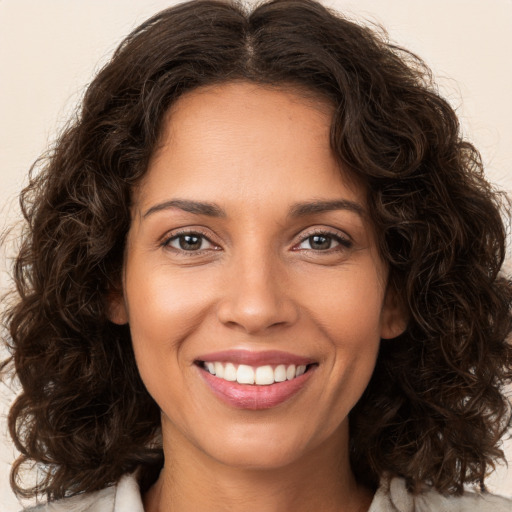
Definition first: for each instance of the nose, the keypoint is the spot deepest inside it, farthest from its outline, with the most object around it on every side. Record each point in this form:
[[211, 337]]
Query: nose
[[257, 297]]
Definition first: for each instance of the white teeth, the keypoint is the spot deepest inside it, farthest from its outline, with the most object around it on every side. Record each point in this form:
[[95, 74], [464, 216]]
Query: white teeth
[[230, 372], [264, 375], [290, 372], [280, 373], [245, 374], [261, 375], [219, 370]]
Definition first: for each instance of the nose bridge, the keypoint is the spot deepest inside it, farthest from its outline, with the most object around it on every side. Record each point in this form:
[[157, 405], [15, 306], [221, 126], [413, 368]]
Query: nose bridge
[[256, 296]]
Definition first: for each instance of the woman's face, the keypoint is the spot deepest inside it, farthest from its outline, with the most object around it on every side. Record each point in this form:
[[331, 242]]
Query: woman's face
[[251, 256]]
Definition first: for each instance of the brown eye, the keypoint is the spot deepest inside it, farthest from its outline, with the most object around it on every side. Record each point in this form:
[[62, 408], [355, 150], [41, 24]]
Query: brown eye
[[189, 242], [320, 242], [324, 242]]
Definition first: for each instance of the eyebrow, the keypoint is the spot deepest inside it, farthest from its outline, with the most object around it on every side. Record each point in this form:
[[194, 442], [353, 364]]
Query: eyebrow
[[313, 207], [196, 207], [297, 210]]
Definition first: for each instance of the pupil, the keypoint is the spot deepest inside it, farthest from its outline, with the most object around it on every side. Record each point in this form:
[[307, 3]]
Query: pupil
[[320, 242], [190, 242]]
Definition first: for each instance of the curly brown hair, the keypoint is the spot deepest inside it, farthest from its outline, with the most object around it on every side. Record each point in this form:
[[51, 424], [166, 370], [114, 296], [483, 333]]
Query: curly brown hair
[[434, 410]]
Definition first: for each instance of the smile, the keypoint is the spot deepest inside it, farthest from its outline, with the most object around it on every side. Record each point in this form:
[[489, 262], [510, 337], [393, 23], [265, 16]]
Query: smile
[[255, 380], [259, 376]]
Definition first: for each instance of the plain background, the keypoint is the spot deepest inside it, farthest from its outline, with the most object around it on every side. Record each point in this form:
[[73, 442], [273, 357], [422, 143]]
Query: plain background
[[50, 49]]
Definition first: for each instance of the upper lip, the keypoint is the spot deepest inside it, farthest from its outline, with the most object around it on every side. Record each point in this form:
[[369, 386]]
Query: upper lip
[[256, 358]]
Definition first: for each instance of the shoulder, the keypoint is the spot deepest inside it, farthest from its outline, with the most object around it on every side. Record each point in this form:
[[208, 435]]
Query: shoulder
[[125, 495], [392, 496]]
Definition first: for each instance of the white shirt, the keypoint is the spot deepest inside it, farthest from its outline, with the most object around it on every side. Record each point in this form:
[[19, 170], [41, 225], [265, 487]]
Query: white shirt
[[391, 496]]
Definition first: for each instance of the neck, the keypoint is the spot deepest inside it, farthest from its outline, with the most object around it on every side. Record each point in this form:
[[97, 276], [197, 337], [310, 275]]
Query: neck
[[320, 480]]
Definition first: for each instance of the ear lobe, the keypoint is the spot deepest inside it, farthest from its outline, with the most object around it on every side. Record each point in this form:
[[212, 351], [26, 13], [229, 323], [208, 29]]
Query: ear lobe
[[116, 308], [393, 316]]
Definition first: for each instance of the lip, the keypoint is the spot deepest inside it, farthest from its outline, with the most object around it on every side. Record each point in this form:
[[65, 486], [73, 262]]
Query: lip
[[253, 397], [256, 358]]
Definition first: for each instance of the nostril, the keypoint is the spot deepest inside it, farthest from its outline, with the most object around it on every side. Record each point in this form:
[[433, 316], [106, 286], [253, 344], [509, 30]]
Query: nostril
[[253, 310]]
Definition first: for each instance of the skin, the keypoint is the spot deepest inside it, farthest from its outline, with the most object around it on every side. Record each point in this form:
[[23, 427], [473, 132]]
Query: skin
[[256, 281]]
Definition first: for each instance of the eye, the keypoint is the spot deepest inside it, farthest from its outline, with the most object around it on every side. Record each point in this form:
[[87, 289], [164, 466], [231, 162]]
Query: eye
[[323, 242], [189, 242]]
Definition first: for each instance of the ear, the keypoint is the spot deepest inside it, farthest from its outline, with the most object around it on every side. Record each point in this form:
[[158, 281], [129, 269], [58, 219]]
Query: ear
[[393, 321], [116, 308]]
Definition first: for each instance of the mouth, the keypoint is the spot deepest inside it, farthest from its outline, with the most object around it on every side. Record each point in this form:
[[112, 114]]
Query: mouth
[[248, 380], [265, 375]]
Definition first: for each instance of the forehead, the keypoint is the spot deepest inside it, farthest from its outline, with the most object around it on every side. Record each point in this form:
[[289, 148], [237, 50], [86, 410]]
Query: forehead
[[247, 140], [243, 93]]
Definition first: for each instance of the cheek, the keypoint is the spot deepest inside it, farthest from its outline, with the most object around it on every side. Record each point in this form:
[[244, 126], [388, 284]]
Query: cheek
[[349, 305], [348, 312], [163, 306], [164, 309]]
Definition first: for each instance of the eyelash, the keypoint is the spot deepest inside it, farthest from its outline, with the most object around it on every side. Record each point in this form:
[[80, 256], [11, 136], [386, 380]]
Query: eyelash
[[344, 242], [175, 236]]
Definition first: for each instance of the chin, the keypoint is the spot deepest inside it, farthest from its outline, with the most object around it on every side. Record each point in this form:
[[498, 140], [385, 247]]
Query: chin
[[257, 456], [268, 447]]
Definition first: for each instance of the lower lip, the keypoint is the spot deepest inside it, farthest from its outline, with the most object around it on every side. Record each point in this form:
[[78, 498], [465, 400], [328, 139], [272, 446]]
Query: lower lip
[[245, 396]]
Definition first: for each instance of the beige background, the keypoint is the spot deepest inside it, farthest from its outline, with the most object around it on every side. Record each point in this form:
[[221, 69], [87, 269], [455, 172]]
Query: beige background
[[49, 50]]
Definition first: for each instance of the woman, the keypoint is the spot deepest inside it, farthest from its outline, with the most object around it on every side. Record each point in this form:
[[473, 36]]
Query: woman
[[260, 272]]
